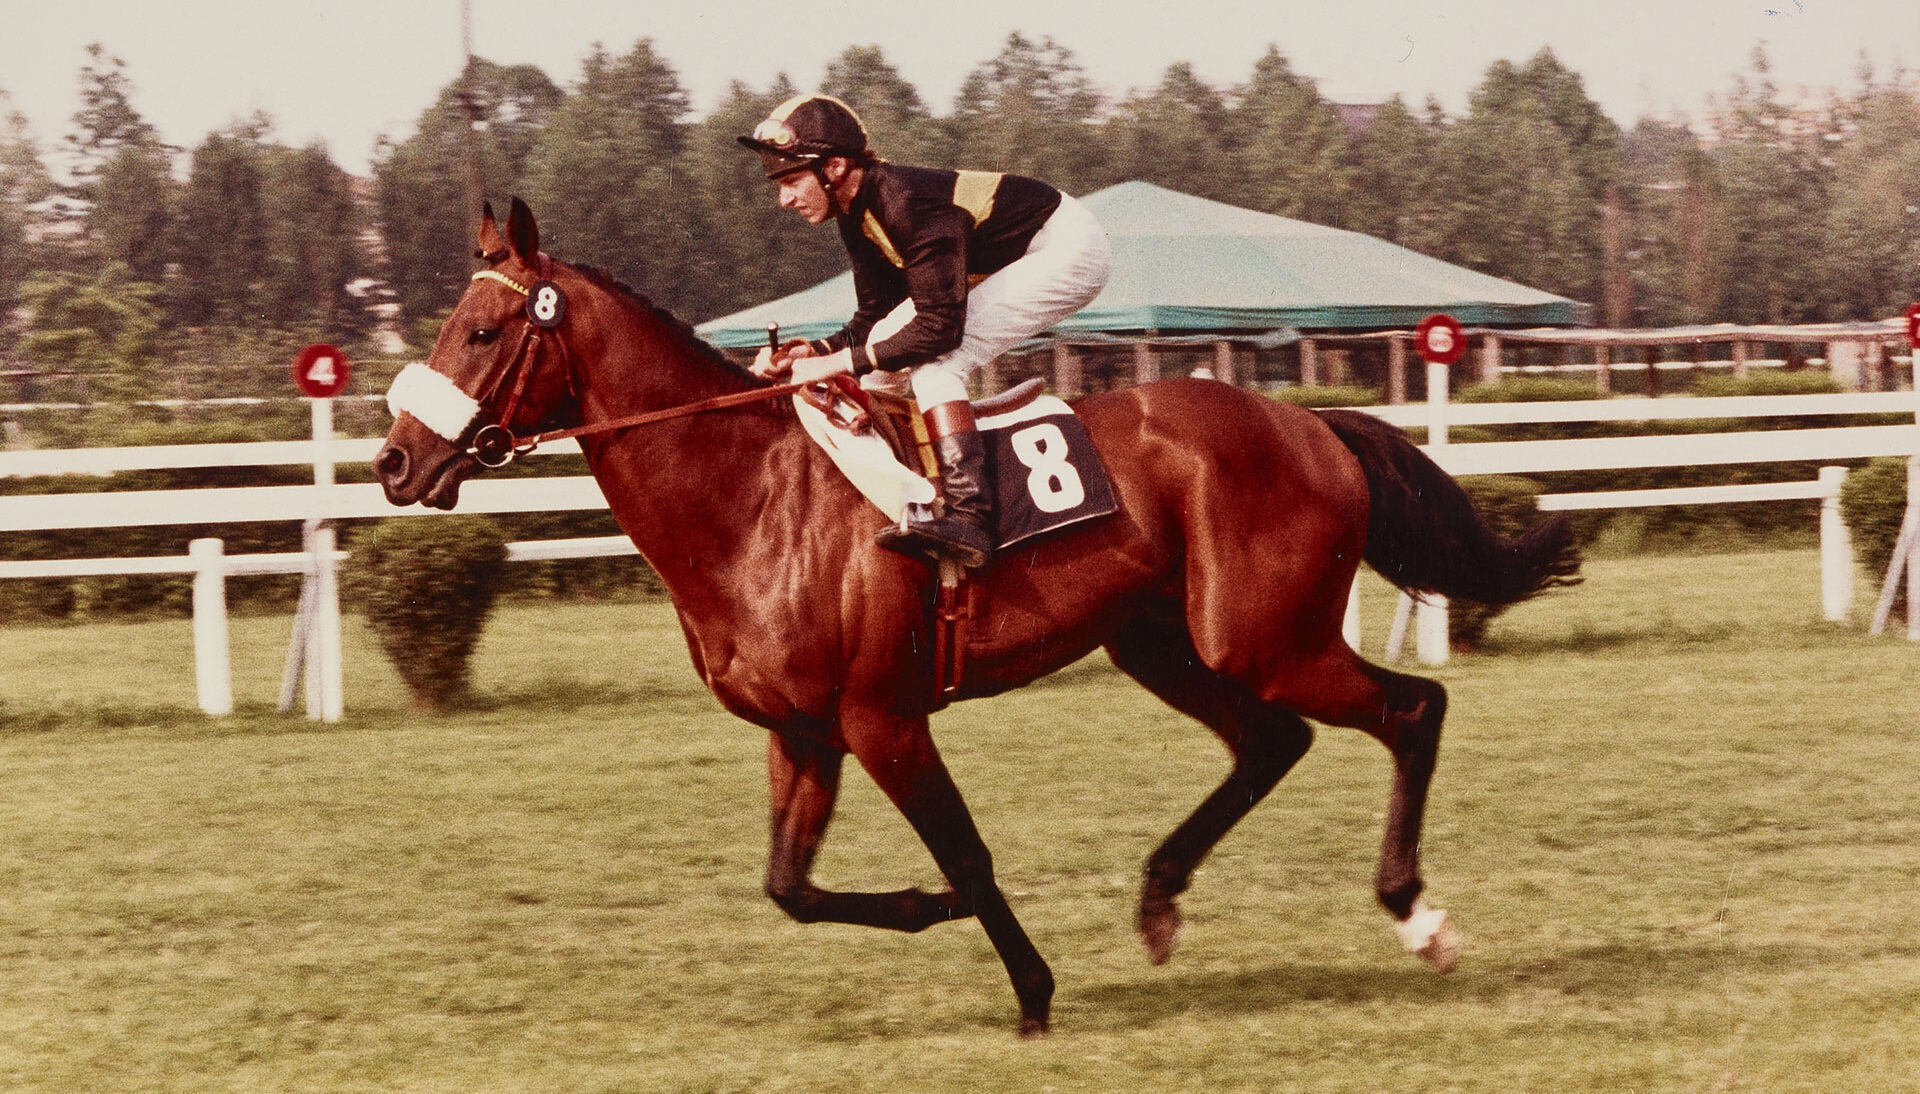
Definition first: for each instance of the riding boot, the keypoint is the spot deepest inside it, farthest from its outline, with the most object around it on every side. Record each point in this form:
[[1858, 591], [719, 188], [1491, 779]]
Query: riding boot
[[964, 532]]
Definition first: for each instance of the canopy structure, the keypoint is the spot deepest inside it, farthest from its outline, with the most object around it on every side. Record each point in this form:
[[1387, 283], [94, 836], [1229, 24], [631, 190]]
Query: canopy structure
[[1187, 265]]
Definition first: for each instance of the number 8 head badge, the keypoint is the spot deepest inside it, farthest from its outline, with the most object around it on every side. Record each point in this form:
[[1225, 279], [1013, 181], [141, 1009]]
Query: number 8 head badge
[[546, 305]]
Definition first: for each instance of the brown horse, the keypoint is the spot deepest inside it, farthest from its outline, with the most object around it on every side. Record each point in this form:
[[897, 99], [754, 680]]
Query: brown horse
[[1220, 585]]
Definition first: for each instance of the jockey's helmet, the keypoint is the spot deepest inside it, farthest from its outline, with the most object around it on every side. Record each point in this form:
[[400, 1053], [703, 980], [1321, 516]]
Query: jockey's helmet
[[805, 130]]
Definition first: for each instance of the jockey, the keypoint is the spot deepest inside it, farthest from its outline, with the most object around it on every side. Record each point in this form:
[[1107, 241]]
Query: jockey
[[950, 269]]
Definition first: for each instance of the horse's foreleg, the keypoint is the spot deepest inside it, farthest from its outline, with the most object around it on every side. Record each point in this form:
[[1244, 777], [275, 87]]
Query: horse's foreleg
[[803, 779], [1265, 740], [899, 754]]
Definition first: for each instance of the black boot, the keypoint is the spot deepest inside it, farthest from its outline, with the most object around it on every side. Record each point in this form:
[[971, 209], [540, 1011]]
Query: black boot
[[964, 532]]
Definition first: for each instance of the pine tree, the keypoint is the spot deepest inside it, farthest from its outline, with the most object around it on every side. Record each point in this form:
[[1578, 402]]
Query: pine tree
[[223, 229], [423, 206], [1528, 170], [1770, 159], [610, 181], [24, 184], [123, 177], [1392, 172], [313, 245], [1031, 111], [1872, 231], [1291, 146], [1175, 136], [761, 251], [899, 125]]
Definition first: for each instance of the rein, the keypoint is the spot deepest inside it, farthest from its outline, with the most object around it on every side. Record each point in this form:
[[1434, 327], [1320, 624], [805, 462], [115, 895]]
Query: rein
[[495, 445]]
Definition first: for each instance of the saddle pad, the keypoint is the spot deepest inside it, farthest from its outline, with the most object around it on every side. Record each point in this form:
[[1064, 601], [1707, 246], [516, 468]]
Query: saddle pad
[[867, 462], [1045, 471]]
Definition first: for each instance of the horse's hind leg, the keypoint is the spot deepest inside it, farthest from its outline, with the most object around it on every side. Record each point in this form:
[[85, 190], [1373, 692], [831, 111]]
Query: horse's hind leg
[[1416, 707], [1404, 713], [1265, 740]]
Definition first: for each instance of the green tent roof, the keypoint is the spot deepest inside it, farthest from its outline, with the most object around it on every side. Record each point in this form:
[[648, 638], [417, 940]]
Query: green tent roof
[[1187, 264]]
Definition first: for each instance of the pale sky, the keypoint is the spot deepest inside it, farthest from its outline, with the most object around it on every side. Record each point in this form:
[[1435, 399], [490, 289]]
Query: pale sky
[[347, 71]]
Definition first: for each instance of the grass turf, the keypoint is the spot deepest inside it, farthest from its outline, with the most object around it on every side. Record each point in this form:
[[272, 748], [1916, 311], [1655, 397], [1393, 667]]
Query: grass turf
[[1675, 817]]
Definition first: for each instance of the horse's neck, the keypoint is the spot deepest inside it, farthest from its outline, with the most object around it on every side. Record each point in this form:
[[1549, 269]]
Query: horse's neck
[[688, 490]]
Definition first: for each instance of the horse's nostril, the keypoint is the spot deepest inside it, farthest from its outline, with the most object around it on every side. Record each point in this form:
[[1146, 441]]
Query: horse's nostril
[[391, 463]]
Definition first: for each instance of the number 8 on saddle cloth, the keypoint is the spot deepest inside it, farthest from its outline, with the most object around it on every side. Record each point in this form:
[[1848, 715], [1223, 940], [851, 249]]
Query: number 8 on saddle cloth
[[1044, 468]]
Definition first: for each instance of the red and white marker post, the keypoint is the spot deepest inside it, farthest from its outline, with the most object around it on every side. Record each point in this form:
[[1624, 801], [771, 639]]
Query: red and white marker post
[[1440, 340], [320, 372]]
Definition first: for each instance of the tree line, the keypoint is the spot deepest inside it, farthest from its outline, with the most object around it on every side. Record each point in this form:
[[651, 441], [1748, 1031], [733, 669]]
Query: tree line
[[151, 264]]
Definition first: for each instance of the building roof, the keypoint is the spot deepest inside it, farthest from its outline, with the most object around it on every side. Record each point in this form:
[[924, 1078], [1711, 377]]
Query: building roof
[[1183, 264]]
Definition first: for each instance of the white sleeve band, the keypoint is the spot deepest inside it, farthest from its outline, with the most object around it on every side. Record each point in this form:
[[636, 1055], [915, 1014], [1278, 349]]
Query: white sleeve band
[[436, 401]]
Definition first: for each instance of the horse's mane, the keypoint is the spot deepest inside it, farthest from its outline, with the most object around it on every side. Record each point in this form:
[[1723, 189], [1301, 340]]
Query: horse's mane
[[680, 329]]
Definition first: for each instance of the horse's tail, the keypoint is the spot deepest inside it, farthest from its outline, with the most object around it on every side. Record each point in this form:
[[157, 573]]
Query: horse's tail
[[1425, 535]]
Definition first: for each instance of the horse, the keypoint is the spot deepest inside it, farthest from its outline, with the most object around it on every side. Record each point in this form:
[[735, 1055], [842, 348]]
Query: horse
[[1220, 583]]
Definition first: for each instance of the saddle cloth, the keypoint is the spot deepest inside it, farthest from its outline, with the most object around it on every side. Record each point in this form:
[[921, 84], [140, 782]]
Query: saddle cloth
[[1042, 463]]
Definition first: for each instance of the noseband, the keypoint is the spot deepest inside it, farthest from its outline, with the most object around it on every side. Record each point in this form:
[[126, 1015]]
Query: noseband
[[495, 445]]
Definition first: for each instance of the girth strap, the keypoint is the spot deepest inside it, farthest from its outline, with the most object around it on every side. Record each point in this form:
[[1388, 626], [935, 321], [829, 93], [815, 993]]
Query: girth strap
[[953, 610]]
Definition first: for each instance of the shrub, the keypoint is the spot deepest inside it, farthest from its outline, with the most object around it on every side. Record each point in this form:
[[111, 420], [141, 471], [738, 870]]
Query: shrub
[[1510, 505], [1798, 382], [1528, 389], [427, 586], [1873, 501], [1317, 396]]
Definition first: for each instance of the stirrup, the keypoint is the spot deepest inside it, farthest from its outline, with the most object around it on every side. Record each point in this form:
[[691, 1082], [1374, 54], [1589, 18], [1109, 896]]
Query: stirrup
[[922, 535]]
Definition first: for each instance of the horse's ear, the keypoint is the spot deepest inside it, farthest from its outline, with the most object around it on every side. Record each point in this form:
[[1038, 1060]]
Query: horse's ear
[[493, 245], [523, 235]]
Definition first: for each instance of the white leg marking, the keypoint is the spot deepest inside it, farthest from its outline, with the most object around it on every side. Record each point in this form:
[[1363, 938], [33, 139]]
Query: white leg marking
[[1428, 933]]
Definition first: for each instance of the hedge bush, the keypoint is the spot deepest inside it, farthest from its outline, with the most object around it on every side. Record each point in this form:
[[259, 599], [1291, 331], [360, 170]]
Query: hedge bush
[[1770, 382], [1318, 396], [427, 587], [1872, 502], [1528, 389]]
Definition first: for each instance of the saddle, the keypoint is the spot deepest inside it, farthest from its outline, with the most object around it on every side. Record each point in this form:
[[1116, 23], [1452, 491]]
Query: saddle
[[896, 419], [1046, 475]]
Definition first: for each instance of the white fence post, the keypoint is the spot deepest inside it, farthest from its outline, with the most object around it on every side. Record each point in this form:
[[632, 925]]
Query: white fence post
[[326, 692], [1912, 516], [1836, 549], [1430, 612], [212, 668], [1397, 634], [1350, 626], [1908, 548], [332, 666]]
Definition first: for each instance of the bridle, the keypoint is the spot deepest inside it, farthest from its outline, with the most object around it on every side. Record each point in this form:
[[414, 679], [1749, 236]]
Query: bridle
[[495, 445]]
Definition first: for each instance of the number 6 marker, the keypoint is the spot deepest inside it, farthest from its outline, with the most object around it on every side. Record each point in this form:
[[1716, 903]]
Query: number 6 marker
[[1440, 339]]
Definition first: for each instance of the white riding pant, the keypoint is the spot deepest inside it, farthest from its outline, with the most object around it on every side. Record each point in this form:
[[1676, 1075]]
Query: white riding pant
[[1064, 268]]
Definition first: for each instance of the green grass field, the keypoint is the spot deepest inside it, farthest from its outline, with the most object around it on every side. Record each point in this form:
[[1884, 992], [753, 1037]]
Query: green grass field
[[1676, 817]]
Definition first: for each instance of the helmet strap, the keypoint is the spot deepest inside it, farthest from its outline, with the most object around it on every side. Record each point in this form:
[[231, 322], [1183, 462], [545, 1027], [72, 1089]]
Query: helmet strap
[[833, 188]]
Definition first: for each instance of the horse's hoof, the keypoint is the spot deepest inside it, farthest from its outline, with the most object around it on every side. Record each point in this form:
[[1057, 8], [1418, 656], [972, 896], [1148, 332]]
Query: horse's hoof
[[1430, 935], [1031, 1027], [1160, 931], [1443, 952]]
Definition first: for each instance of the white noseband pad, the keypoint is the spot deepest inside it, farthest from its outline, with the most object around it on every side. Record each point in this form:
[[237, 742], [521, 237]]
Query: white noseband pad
[[436, 401]]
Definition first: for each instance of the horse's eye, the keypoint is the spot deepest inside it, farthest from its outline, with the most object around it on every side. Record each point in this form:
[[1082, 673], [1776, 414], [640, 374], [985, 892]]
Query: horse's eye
[[483, 336]]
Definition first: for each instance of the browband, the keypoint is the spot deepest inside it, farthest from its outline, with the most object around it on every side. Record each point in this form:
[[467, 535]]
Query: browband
[[544, 264], [496, 275]]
